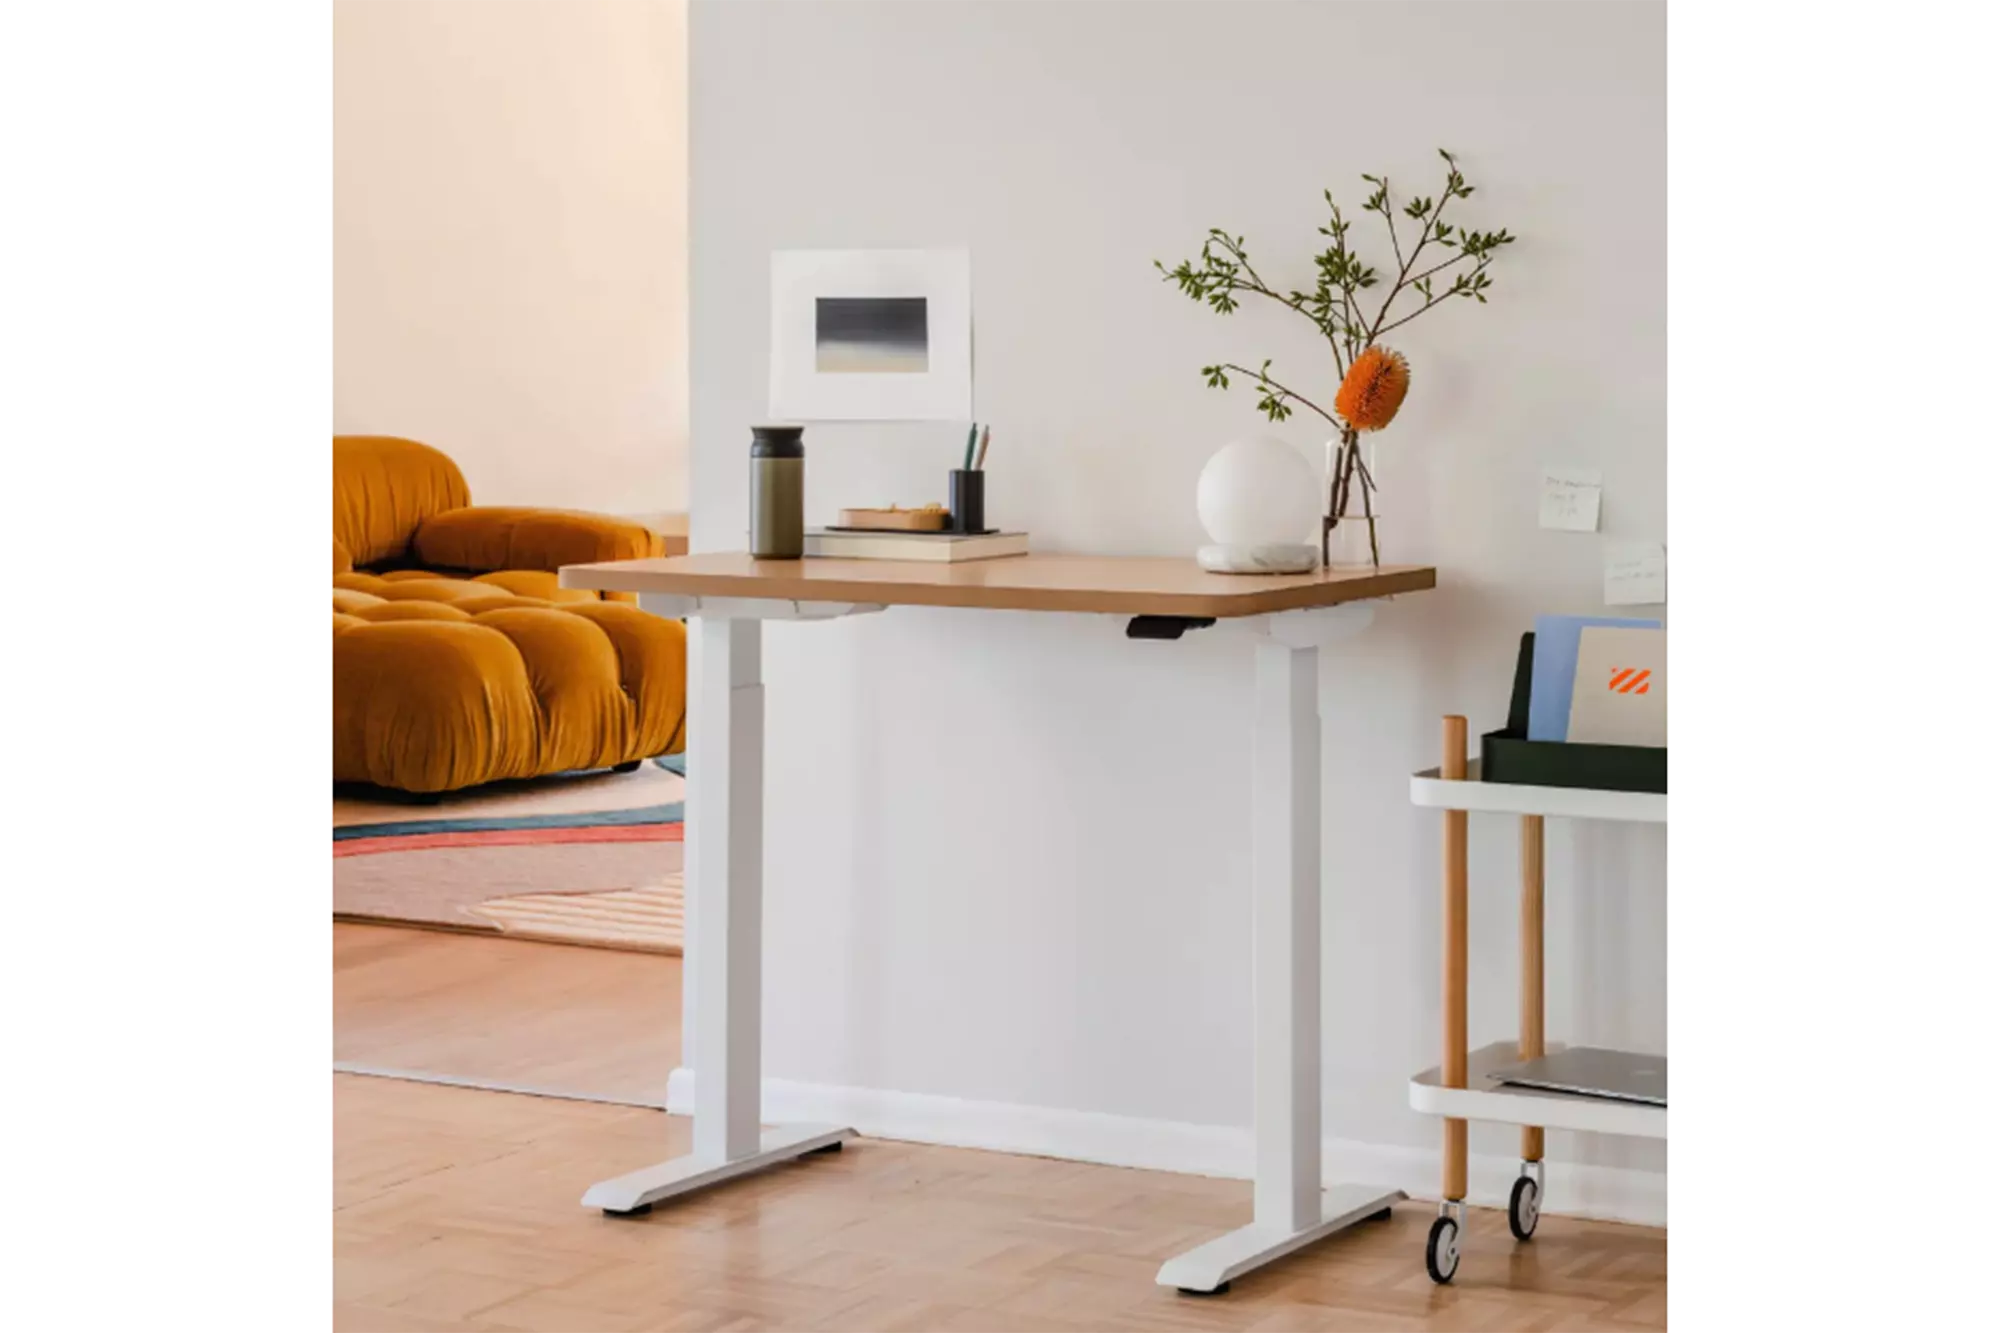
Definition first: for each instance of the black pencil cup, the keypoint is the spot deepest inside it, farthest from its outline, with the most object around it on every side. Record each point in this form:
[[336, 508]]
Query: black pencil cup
[[968, 500]]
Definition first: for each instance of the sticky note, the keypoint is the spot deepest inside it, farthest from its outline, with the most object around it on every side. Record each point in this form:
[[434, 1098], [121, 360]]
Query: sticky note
[[1571, 498], [1635, 574]]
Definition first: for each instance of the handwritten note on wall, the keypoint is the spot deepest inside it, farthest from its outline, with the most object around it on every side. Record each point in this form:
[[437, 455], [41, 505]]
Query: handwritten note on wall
[[1571, 498], [1635, 574]]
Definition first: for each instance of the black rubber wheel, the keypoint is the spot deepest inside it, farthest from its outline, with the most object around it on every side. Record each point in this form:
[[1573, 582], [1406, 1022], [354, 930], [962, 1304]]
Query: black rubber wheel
[[831, 1147], [1441, 1251], [629, 766], [1381, 1215], [1524, 1208], [1222, 1290], [640, 1211]]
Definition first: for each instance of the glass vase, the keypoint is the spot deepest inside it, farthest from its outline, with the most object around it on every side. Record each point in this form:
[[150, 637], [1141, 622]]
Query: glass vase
[[1352, 496]]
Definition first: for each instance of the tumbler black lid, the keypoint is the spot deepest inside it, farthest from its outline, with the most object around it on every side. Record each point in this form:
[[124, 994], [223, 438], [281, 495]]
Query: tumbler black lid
[[777, 442]]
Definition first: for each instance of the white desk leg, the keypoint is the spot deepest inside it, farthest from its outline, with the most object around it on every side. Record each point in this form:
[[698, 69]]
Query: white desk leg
[[1289, 1209], [725, 879]]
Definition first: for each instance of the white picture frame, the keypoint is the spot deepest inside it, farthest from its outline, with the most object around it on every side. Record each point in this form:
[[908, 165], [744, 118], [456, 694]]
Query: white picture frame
[[914, 309]]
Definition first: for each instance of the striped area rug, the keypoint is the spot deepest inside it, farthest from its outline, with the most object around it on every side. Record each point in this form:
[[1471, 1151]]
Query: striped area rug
[[590, 858]]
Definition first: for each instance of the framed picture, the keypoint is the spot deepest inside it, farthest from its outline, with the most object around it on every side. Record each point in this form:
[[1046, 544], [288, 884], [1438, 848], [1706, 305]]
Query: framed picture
[[871, 335]]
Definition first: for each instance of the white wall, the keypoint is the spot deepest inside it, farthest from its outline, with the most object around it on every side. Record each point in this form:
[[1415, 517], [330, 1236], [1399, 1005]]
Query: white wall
[[510, 241], [1007, 857]]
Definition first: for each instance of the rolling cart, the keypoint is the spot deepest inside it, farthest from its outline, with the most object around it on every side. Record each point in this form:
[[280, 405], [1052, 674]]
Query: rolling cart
[[1464, 1087]]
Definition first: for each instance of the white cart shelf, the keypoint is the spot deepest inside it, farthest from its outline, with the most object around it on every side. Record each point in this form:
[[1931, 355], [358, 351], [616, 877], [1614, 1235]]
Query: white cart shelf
[[1463, 1087], [1485, 1097], [1508, 798]]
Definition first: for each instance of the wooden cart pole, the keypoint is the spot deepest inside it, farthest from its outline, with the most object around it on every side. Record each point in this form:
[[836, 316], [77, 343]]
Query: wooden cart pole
[[1454, 958], [1531, 964]]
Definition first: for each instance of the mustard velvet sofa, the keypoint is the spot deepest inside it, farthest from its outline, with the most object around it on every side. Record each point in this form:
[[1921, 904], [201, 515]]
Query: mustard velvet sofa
[[457, 660]]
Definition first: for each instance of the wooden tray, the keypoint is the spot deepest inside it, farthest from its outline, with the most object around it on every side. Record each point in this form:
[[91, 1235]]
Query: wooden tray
[[895, 520]]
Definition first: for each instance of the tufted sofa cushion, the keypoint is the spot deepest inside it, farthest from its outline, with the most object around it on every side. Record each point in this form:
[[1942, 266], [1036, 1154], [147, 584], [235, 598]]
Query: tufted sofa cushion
[[508, 537], [441, 683], [426, 585], [384, 487]]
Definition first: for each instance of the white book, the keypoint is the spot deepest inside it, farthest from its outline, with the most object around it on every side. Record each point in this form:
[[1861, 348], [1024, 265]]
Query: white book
[[1621, 687], [944, 547]]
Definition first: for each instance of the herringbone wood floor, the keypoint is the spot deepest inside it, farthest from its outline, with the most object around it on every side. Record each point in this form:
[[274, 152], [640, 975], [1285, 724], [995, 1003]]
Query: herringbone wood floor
[[458, 1209]]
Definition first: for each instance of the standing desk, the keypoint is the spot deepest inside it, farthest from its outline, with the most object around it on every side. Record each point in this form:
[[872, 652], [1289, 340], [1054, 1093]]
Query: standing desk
[[726, 597]]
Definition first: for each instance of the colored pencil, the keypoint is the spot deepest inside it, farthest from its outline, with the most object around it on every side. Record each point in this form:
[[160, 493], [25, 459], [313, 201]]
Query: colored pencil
[[971, 434], [985, 438]]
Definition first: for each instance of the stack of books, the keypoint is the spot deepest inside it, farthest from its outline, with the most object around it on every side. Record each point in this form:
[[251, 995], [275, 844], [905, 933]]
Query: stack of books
[[944, 547]]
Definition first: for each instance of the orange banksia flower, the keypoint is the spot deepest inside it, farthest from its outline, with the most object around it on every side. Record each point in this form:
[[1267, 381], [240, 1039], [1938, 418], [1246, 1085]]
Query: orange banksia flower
[[1373, 389]]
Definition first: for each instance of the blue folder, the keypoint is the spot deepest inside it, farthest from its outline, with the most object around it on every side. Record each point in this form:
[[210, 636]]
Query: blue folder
[[1557, 640]]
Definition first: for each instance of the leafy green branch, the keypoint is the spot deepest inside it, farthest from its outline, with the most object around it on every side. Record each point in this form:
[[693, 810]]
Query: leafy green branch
[[1433, 229], [1272, 395], [1335, 303], [1223, 269]]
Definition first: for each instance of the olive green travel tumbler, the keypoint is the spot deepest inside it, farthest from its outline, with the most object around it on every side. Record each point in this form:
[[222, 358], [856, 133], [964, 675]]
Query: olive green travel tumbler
[[777, 492]]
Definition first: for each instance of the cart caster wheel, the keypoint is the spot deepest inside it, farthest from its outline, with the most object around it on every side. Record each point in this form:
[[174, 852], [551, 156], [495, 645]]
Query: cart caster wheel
[[1380, 1215], [831, 1147], [1441, 1250], [1524, 1208], [1222, 1290], [640, 1211]]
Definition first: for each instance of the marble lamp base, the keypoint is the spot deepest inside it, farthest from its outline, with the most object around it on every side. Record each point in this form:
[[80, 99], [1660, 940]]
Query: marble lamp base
[[1278, 558]]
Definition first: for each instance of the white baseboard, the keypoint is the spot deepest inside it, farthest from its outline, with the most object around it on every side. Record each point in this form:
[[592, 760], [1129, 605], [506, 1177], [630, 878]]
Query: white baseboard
[[1610, 1193]]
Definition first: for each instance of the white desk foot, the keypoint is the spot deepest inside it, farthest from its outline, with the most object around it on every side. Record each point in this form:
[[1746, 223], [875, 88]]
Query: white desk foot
[[640, 1190], [1208, 1269]]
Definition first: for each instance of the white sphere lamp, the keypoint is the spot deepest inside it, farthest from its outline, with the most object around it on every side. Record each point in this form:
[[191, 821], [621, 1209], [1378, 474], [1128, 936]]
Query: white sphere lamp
[[1259, 503]]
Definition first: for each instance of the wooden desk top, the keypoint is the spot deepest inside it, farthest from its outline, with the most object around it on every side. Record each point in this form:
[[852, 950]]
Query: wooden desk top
[[1117, 585]]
